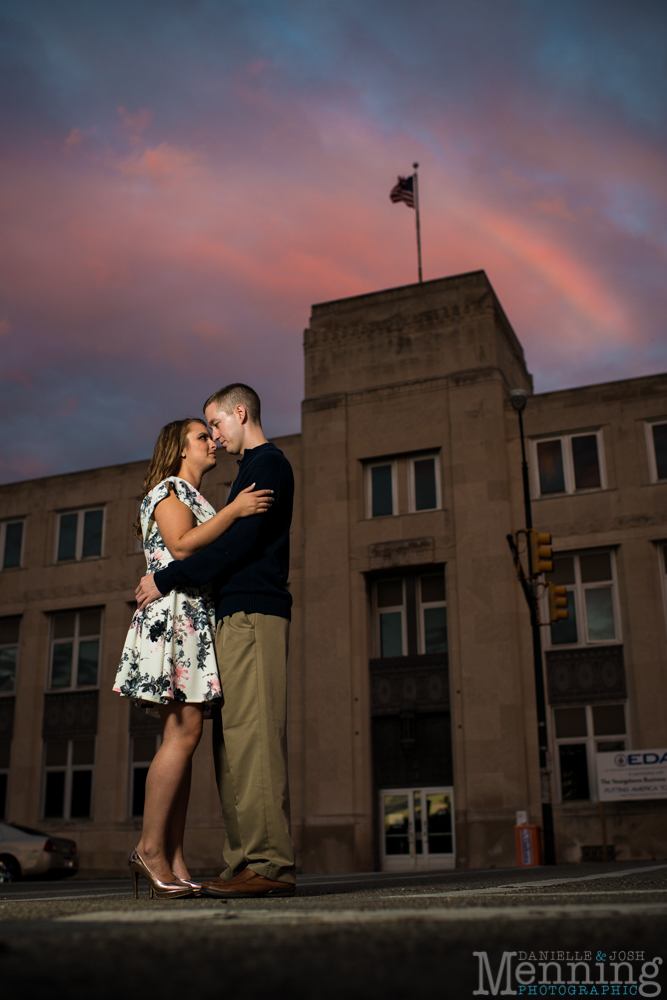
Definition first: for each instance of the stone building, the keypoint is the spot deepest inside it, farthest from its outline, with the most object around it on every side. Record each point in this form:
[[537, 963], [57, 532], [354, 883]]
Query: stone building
[[412, 721]]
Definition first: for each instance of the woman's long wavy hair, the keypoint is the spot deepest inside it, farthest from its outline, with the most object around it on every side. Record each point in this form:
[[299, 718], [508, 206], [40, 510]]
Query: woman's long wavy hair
[[167, 457]]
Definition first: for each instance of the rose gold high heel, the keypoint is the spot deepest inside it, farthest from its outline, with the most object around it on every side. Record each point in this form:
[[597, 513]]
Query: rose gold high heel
[[156, 888], [194, 886]]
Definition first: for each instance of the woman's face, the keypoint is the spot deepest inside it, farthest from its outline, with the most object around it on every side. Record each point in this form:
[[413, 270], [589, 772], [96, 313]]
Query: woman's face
[[200, 448]]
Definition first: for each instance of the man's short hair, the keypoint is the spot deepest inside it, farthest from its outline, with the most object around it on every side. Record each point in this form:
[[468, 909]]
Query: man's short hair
[[230, 396]]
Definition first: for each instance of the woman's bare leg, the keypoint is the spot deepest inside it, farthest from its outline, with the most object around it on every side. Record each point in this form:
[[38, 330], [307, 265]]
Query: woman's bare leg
[[181, 732], [176, 829]]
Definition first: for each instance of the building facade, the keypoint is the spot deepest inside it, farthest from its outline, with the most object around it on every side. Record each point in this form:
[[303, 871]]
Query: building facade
[[412, 720]]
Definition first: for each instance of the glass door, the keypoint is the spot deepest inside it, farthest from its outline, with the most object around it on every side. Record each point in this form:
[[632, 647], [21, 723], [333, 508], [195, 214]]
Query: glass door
[[417, 828], [397, 823]]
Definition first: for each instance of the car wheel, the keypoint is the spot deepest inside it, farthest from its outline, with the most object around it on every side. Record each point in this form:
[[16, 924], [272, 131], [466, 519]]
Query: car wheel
[[12, 866]]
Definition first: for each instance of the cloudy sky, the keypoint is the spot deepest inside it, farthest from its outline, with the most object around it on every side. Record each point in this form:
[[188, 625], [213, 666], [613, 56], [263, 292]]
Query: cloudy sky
[[182, 179]]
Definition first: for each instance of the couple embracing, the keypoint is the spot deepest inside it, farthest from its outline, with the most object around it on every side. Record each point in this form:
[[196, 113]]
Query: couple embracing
[[210, 633]]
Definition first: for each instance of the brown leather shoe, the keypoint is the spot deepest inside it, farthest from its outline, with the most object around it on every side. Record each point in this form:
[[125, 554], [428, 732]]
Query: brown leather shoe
[[246, 885]]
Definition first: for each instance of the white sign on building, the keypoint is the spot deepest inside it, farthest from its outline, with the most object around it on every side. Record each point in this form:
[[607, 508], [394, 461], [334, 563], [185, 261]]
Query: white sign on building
[[632, 774]]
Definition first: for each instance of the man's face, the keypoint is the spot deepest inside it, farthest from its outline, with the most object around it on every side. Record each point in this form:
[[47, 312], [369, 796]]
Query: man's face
[[226, 428]]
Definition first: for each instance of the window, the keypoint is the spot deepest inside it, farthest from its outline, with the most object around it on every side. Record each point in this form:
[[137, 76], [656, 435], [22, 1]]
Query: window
[[75, 648], [569, 463], [5, 747], [9, 650], [432, 613], [79, 534], [581, 733], [592, 605], [390, 597], [411, 614], [656, 439], [423, 483], [11, 544], [68, 778], [381, 489], [143, 749], [421, 475]]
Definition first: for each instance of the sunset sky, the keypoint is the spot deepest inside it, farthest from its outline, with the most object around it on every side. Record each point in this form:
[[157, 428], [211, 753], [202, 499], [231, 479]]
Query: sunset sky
[[182, 179]]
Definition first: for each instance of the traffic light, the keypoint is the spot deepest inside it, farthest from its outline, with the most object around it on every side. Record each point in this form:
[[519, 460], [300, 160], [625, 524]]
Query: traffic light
[[540, 553], [557, 602]]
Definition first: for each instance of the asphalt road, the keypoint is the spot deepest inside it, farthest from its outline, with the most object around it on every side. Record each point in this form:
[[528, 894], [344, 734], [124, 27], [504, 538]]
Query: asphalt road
[[345, 937]]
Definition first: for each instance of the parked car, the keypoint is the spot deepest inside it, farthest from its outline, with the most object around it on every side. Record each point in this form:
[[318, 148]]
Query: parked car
[[24, 851]]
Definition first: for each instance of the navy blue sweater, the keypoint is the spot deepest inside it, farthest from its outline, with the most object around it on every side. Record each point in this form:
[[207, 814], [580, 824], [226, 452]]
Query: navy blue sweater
[[249, 564]]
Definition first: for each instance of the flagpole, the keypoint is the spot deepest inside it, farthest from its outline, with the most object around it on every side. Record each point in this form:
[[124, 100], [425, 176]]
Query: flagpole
[[419, 238]]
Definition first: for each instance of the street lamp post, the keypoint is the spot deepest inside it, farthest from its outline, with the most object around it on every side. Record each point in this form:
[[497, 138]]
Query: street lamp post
[[519, 398]]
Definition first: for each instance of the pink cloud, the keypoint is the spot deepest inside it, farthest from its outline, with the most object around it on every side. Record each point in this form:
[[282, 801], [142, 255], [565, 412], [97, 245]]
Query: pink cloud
[[564, 270], [164, 240], [159, 164]]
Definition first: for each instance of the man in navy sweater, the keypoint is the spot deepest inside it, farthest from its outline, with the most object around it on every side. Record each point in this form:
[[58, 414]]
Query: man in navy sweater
[[249, 566]]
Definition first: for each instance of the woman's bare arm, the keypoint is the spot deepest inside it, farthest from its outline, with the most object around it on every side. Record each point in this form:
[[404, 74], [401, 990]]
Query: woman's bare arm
[[183, 536]]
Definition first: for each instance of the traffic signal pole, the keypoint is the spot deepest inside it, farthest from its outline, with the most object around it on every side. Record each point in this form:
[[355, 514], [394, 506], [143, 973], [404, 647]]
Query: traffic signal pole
[[530, 591]]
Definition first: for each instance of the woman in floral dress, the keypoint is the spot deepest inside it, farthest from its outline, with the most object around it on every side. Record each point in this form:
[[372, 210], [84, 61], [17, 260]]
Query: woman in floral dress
[[168, 662]]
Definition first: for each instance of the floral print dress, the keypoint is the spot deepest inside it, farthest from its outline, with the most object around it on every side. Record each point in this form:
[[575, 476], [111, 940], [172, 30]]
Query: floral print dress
[[169, 653]]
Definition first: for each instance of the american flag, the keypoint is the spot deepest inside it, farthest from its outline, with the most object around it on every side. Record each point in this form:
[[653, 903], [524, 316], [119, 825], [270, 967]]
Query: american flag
[[404, 191]]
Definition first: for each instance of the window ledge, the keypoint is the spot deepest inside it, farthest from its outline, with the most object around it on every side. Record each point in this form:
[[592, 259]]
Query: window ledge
[[582, 807], [62, 823], [411, 660], [77, 562], [602, 644], [575, 493], [402, 513], [72, 690]]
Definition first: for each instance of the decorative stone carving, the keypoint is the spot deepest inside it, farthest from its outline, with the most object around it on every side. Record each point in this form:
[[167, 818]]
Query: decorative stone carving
[[72, 713], [406, 552], [7, 718], [409, 684], [585, 675]]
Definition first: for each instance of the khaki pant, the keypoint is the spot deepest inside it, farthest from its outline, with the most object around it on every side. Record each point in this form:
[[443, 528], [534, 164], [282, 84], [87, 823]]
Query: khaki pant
[[250, 746]]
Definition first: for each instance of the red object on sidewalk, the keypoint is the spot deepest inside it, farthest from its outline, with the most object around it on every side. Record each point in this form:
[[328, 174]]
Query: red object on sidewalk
[[528, 845]]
